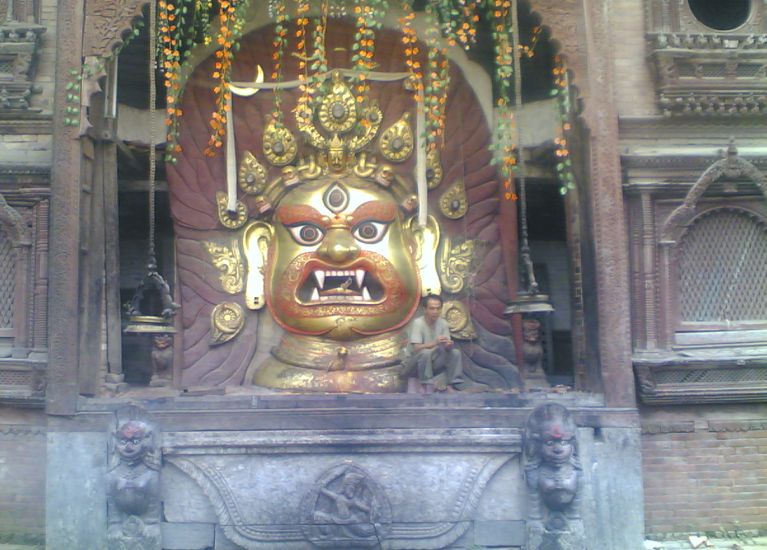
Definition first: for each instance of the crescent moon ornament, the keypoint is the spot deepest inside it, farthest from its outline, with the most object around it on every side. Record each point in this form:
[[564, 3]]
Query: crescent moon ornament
[[247, 89]]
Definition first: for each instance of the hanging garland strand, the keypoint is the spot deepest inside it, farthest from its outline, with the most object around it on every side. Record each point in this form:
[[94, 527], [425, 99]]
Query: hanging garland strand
[[319, 59], [169, 57], [503, 146], [437, 81], [370, 14], [462, 23], [304, 106], [562, 93], [183, 23], [411, 51], [230, 23], [279, 43]]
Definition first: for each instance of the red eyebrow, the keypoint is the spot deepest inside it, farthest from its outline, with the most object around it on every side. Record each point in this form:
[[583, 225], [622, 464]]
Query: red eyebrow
[[300, 213], [383, 211]]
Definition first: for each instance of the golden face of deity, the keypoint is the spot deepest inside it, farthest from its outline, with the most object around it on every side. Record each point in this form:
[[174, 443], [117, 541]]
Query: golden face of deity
[[341, 264]]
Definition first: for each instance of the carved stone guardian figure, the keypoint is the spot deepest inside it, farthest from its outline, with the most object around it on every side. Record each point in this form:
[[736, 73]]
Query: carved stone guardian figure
[[553, 477], [133, 488]]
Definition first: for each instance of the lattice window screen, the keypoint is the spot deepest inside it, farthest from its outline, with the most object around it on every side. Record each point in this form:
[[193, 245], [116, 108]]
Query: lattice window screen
[[723, 269], [7, 280]]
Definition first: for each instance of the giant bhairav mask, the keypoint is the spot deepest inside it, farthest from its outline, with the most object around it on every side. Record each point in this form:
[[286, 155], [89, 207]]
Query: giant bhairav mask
[[336, 256], [341, 263]]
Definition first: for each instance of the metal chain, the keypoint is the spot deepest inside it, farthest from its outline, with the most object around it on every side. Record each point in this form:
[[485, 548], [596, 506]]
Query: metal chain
[[525, 245], [152, 109]]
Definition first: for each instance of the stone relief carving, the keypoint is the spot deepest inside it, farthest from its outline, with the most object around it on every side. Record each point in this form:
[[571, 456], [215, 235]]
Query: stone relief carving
[[346, 508], [133, 487], [553, 477]]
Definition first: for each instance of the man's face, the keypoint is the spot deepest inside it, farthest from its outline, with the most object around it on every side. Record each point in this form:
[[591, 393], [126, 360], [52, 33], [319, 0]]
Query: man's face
[[433, 310], [340, 263]]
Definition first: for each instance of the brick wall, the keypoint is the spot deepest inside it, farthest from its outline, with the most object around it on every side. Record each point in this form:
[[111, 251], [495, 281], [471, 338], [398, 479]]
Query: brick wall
[[705, 471], [633, 84], [22, 476]]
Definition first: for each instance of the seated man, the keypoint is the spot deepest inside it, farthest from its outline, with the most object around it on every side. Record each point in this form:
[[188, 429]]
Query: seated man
[[432, 353]]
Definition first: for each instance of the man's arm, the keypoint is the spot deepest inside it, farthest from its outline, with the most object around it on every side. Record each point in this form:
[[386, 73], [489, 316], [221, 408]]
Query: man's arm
[[421, 347]]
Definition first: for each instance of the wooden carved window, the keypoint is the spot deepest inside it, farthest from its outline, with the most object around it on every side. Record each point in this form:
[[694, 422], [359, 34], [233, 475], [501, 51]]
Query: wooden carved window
[[7, 284], [723, 271]]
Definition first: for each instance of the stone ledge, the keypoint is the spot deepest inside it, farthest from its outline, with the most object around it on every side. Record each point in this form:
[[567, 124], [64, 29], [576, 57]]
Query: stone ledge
[[477, 440]]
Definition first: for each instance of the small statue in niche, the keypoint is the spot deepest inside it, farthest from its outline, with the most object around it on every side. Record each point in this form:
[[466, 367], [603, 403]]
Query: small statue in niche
[[553, 476], [162, 360], [133, 489], [532, 354]]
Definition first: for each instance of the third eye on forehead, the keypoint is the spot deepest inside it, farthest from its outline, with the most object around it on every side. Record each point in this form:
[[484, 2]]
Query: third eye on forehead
[[294, 214]]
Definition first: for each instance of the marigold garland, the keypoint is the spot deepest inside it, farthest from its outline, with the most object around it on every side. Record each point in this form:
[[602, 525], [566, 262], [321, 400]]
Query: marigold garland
[[229, 30], [279, 43], [183, 23], [411, 50], [503, 147], [561, 91], [437, 82]]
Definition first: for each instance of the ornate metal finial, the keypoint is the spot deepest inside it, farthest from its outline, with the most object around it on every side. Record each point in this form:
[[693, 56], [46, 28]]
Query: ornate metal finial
[[151, 309]]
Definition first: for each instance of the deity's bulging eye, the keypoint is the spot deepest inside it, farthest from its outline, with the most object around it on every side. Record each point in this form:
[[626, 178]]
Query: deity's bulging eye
[[306, 234], [370, 232]]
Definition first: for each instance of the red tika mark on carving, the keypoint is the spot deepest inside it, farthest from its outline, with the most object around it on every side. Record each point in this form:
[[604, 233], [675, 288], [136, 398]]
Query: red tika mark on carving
[[555, 432]]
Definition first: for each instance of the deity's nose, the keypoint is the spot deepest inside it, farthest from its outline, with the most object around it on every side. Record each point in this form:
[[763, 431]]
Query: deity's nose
[[339, 246]]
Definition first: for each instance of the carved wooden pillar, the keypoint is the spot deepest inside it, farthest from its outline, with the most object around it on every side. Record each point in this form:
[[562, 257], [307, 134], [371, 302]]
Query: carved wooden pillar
[[40, 277], [612, 266], [64, 264], [22, 303]]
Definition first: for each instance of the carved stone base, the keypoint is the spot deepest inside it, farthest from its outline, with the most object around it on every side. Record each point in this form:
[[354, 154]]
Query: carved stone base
[[134, 534], [557, 534]]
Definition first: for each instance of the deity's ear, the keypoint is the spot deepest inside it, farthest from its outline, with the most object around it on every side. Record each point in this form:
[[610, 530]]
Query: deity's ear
[[426, 239], [256, 240]]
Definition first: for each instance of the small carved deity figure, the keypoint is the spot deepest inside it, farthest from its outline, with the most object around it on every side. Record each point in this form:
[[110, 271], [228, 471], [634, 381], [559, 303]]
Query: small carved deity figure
[[553, 475], [532, 353], [133, 489], [346, 508], [350, 514], [162, 360]]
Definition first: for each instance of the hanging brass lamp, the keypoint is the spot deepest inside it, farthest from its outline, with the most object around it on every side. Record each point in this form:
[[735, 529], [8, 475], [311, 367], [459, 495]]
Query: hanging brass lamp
[[529, 301], [151, 309]]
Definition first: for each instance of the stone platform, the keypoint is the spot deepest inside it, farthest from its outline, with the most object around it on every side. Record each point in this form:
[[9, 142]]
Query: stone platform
[[343, 471]]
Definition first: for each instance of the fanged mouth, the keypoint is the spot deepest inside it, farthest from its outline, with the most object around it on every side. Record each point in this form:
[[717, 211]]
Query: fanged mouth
[[324, 286]]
